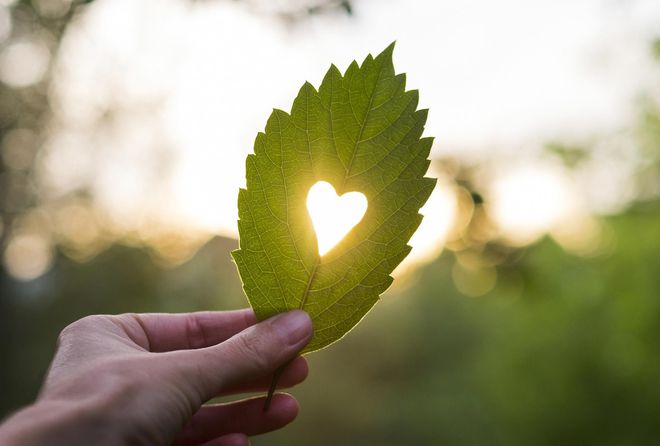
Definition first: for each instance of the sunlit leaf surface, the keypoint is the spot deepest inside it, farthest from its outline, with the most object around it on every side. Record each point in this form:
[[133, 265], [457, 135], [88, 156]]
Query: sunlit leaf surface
[[359, 132]]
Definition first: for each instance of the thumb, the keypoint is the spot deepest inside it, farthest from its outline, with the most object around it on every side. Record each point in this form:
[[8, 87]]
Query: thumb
[[254, 352]]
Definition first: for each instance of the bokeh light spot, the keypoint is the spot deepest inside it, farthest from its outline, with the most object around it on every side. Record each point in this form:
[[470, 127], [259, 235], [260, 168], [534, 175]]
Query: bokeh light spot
[[28, 256], [23, 63], [473, 282]]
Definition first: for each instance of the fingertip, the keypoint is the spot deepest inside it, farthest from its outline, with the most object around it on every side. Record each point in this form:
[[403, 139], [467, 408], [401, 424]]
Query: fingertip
[[297, 371], [283, 409], [249, 316]]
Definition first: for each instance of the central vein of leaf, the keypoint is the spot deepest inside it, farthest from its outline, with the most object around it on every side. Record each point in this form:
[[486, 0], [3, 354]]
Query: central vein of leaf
[[303, 301], [362, 126]]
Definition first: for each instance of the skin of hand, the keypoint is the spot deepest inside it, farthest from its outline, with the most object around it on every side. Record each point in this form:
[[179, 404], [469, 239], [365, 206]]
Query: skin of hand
[[143, 379]]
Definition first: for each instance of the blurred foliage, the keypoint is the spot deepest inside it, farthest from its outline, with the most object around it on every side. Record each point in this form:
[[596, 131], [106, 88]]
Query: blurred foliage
[[655, 48], [571, 155], [648, 137]]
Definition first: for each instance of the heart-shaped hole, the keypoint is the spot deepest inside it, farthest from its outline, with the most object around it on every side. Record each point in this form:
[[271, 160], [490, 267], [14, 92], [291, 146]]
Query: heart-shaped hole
[[333, 216]]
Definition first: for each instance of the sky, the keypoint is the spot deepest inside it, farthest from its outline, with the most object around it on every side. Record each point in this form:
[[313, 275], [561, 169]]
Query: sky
[[157, 102]]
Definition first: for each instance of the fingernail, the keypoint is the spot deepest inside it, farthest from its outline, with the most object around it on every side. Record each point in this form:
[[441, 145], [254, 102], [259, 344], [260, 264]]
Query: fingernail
[[294, 326]]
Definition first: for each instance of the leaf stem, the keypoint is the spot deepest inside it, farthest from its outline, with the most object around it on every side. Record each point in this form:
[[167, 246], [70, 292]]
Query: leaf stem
[[273, 384]]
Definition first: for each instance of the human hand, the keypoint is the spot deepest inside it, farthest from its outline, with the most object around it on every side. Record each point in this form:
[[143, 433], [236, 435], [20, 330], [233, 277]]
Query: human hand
[[142, 379]]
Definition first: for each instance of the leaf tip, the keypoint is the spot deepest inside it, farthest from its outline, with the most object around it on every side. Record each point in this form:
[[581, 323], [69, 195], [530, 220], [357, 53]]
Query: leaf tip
[[387, 52], [308, 86]]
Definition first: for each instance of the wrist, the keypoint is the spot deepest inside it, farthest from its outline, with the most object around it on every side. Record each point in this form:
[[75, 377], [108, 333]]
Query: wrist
[[53, 423]]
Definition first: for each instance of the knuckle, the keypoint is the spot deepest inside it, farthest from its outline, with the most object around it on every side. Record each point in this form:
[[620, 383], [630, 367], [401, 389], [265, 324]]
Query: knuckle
[[88, 322], [81, 328], [76, 327], [195, 334]]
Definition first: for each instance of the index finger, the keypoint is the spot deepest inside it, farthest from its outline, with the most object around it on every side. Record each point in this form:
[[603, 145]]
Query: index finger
[[162, 332]]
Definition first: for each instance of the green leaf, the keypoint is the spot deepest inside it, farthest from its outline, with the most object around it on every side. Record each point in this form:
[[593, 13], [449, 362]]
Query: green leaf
[[359, 132]]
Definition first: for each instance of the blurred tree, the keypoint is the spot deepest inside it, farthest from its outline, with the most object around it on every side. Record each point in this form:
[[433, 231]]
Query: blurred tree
[[36, 29]]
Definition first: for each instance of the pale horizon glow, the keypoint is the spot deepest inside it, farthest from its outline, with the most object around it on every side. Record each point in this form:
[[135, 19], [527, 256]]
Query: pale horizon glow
[[332, 216]]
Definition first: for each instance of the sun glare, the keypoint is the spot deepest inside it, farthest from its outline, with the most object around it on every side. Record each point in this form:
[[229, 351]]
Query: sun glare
[[531, 201], [332, 216]]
